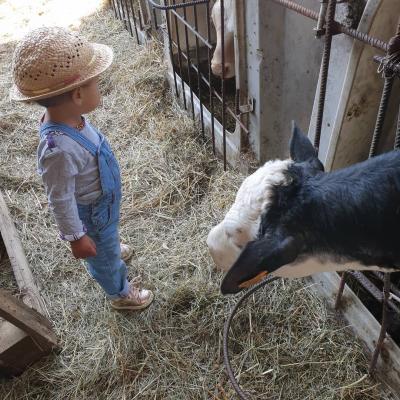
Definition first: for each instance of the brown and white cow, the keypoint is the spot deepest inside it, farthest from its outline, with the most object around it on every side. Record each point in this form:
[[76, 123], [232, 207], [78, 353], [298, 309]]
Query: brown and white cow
[[229, 47]]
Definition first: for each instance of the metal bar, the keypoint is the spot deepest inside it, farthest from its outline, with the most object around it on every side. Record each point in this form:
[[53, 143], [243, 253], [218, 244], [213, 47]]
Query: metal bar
[[194, 31], [114, 8], [118, 9], [298, 8], [140, 19], [397, 139], [362, 37], [338, 28], [128, 18], [384, 324], [134, 22], [123, 14], [209, 78], [188, 62], [176, 6], [387, 89], [319, 29], [340, 290], [171, 52], [324, 71], [223, 81], [196, 25], [178, 42]]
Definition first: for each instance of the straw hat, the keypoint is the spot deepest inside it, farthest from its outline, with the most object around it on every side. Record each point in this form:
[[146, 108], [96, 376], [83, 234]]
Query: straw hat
[[52, 61]]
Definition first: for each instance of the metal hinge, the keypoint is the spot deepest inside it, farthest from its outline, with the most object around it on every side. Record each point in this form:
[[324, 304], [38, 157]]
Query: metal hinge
[[248, 107]]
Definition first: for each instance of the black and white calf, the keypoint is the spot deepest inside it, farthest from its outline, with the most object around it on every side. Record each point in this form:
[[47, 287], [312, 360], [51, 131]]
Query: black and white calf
[[291, 219]]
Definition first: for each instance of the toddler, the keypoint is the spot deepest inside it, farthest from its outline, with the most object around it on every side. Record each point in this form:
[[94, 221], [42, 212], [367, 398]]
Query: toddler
[[59, 70]]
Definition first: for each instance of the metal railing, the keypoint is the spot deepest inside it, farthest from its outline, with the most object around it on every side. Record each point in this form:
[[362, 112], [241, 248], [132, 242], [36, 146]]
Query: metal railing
[[192, 71]]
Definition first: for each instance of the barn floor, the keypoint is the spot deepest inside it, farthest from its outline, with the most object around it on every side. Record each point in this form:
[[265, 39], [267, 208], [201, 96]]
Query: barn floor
[[287, 345]]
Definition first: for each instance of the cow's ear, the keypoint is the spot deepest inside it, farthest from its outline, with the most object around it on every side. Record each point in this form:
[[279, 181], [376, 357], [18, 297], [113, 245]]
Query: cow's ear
[[301, 149], [259, 258]]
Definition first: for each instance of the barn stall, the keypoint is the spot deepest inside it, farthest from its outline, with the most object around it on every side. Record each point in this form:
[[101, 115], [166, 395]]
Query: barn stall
[[278, 73], [174, 192]]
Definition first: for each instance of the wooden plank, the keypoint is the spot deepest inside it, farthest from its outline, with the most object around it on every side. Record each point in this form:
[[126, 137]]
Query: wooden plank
[[365, 326], [27, 319], [15, 251]]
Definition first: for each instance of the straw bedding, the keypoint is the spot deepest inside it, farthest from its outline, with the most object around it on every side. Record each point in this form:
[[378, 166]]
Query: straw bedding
[[286, 344]]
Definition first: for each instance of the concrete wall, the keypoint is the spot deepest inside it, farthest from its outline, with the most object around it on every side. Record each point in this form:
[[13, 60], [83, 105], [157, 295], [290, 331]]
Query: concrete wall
[[283, 59]]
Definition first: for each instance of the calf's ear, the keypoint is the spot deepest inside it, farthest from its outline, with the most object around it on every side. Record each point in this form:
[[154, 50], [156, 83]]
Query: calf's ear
[[301, 149], [259, 258]]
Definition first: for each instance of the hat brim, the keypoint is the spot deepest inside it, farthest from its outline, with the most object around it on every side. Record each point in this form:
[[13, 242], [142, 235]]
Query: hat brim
[[103, 59]]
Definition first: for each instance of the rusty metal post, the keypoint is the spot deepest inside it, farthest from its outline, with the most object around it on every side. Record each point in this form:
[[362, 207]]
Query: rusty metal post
[[330, 17], [340, 290], [384, 323]]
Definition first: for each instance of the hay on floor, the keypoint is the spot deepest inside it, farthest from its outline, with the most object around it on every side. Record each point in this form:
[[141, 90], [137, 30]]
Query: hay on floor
[[286, 344]]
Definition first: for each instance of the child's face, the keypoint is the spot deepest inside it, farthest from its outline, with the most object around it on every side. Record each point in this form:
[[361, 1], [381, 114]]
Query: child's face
[[90, 95]]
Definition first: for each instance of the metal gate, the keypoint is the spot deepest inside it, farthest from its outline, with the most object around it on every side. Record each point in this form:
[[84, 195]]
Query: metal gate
[[220, 105]]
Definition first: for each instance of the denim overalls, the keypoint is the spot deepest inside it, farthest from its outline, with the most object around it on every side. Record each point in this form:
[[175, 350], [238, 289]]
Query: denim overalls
[[101, 218]]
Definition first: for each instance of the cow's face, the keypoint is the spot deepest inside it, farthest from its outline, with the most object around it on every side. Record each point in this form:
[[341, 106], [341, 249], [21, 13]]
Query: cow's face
[[241, 224], [274, 245]]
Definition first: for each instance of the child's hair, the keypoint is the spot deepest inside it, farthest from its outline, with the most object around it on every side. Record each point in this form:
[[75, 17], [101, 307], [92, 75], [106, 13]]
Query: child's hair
[[55, 100]]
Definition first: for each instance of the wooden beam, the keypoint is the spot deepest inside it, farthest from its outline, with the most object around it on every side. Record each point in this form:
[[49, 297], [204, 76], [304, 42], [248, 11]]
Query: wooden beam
[[20, 266], [27, 319]]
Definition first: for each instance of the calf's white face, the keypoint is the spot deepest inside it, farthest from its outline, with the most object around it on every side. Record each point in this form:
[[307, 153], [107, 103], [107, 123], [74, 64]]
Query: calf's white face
[[241, 223]]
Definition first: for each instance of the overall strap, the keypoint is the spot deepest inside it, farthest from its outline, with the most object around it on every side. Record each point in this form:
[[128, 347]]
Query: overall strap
[[72, 133]]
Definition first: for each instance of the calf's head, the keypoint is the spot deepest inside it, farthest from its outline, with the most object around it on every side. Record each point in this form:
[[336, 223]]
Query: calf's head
[[243, 243]]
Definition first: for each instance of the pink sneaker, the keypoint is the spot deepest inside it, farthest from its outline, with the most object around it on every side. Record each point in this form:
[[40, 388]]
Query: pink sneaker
[[137, 298], [126, 252]]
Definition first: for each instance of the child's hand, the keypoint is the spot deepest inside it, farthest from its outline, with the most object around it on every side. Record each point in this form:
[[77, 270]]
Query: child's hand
[[83, 247]]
